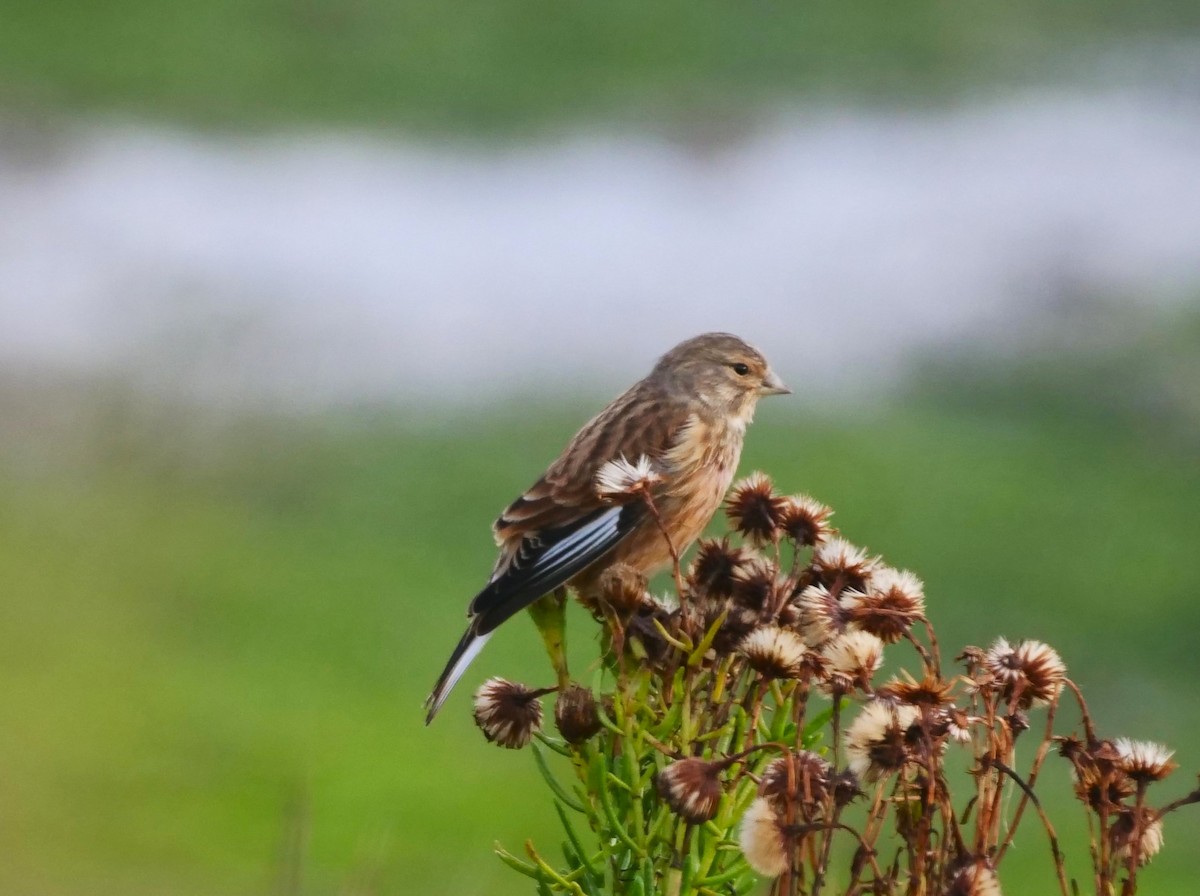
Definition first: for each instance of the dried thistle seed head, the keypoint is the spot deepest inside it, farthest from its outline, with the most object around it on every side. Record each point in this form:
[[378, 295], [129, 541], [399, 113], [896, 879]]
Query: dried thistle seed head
[[972, 658], [576, 714], [712, 572], [1032, 672], [805, 520], [838, 565], [845, 788], [894, 600], [692, 788], [619, 479], [755, 510], [507, 713], [623, 588], [643, 640], [773, 652], [977, 878], [1070, 747], [799, 780], [764, 842], [929, 691], [878, 740], [1147, 841], [754, 584], [956, 724], [821, 615], [1099, 783], [739, 622], [853, 657], [1144, 760]]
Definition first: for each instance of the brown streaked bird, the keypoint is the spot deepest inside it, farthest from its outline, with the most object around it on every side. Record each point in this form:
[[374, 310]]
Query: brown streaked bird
[[688, 417]]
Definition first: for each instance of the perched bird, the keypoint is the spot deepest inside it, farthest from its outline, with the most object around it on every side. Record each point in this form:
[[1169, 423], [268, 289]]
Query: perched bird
[[688, 418]]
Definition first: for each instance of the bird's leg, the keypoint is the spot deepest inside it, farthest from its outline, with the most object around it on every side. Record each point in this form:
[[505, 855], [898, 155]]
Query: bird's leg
[[550, 616]]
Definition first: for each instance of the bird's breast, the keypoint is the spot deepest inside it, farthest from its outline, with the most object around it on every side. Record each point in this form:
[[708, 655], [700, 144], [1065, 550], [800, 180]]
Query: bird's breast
[[700, 467]]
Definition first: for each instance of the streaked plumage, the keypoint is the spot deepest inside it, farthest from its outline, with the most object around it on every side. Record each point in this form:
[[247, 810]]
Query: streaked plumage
[[689, 417]]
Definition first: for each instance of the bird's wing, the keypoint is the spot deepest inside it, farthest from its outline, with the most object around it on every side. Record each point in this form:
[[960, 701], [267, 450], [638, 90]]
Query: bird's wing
[[560, 526]]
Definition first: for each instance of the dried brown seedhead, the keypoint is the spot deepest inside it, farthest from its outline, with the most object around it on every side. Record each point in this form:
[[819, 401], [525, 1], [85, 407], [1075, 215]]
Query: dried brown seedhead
[[621, 480], [1139, 832], [692, 788], [764, 840], [774, 652], [1031, 674], [976, 877], [821, 617], [755, 584], [1144, 760], [755, 510], [893, 602], [576, 714], [798, 781], [805, 520], [623, 588], [853, 657], [508, 713], [712, 571], [838, 565], [878, 740], [930, 691]]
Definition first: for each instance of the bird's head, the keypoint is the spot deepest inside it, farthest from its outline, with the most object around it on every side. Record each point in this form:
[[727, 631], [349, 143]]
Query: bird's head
[[722, 371]]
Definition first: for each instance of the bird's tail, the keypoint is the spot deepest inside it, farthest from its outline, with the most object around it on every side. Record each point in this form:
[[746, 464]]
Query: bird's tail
[[468, 648]]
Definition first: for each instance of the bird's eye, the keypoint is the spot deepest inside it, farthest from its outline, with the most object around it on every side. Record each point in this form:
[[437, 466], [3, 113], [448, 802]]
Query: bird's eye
[[740, 369]]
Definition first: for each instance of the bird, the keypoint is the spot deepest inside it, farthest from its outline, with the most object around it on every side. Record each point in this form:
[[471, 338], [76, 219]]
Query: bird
[[687, 418]]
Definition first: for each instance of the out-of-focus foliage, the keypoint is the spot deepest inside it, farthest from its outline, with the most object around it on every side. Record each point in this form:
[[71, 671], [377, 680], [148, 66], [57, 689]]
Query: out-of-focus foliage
[[1125, 369], [506, 65]]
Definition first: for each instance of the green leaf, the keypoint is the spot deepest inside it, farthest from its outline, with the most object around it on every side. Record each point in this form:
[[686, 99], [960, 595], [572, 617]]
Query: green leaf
[[517, 864], [590, 873], [552, 782]]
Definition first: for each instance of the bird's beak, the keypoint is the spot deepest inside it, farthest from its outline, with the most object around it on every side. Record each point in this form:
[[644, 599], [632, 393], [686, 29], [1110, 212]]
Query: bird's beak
[[773, 385]]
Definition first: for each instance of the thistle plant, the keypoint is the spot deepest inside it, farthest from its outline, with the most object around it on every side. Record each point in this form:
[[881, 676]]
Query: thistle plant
[[738, 730]]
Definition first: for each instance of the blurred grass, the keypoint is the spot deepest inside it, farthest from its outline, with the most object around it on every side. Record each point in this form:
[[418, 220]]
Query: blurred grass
[[511, 65], [215, 642]]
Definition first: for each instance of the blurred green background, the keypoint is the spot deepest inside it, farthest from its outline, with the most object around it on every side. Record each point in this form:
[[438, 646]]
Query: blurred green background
[[217, 624]]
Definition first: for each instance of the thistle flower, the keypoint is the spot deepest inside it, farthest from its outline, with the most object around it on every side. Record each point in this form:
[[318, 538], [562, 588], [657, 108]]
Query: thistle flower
[[957, 724], [508, 713], [1144, 760], [692, 788], [739, 622], [838, 563], [878, 740], [821, 615], [805, 520], [623, 588], [977, 878], [642, 636], [763, 840], [800, 780], [576, 715], [621, 479], [853, 658], [929, 691], [755, 510], [894, 600], [754, 584], [1149, 838], [712, 572], [1099, 781], [1032, 672], [774, 652]]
